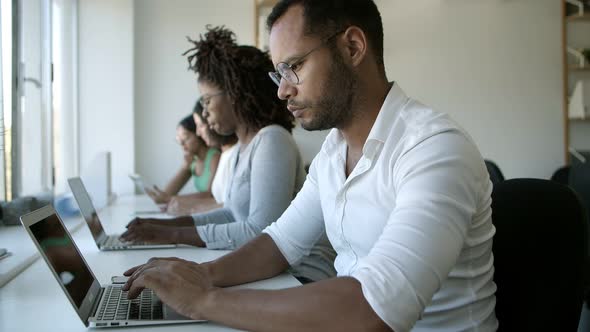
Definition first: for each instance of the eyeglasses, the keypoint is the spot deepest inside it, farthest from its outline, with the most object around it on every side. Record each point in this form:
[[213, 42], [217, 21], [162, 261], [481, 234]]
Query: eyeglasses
[[287, 71], [205, 100]]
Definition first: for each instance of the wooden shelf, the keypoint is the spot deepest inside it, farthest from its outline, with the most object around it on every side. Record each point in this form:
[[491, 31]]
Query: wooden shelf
[[578, 18], [578, 68], [579, 119]]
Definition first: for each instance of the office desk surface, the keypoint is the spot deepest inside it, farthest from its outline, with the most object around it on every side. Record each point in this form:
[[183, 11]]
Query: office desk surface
[[33, 301]]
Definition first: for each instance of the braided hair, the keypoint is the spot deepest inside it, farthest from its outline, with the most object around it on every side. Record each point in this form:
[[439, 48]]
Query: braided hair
[[242, 72]]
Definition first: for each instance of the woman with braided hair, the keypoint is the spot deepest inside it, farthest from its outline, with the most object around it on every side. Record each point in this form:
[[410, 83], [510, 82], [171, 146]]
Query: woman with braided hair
[[266, 167]]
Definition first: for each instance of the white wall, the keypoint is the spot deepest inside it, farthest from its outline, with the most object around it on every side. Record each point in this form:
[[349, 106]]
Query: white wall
[[165, 90], [494, 65], [65, 115], [106, 86]]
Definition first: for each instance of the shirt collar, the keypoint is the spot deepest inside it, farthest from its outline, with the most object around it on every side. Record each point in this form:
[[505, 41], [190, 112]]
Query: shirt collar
[[394, 101]]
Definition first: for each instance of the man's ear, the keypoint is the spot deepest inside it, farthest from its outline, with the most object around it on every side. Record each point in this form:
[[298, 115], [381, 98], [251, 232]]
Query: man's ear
[[355, 43]]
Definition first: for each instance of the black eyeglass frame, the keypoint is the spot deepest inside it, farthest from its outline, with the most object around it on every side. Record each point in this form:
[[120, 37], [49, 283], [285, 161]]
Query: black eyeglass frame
[[287, 71]]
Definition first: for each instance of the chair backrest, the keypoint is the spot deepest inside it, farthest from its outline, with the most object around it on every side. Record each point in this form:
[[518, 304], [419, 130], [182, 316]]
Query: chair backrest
[[579, 181], [562, 175], [494, 171], [539, 255]]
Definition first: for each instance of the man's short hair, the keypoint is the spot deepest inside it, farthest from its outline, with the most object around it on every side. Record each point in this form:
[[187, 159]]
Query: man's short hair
[[325, 17]]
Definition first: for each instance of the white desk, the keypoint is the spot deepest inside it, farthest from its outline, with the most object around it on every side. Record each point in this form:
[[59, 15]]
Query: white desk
[[33, 299]]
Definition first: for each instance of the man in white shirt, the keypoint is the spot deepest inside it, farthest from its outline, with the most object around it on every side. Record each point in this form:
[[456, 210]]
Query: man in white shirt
[[401, 191]]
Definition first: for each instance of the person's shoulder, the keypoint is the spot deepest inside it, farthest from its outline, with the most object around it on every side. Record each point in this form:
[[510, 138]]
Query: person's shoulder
[[273, 130], [415, 114], [421, 122], [274, 133]]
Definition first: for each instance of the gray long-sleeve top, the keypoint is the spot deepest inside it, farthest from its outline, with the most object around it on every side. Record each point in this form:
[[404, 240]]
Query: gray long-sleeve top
[[265, 177]]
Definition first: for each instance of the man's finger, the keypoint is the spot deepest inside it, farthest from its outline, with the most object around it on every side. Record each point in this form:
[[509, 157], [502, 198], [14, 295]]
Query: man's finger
[[148, 276], [135, 287], [131, 270]]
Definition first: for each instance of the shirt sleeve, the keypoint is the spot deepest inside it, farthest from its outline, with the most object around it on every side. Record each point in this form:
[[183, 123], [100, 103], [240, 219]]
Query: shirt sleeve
[[272, 185], [302, 224], [437, 193]]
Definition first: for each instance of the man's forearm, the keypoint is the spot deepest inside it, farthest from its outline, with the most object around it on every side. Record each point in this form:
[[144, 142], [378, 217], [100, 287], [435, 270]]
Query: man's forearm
[[261, 257], [335, 304]]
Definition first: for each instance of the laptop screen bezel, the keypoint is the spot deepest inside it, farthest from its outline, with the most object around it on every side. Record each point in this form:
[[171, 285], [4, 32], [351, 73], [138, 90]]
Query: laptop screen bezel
[[84, 311], [78, 188]]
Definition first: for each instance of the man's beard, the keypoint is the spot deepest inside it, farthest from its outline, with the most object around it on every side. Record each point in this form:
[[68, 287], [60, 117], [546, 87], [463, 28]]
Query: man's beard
[[334, 109]]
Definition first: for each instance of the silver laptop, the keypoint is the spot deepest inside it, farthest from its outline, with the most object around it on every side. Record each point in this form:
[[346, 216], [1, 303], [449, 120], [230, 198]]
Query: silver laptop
[[97, 306], [103, 241]]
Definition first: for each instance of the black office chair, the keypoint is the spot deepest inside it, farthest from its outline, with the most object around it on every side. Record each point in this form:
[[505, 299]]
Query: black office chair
[[562, 175], [579, 181], [539, 255], [496, 175]]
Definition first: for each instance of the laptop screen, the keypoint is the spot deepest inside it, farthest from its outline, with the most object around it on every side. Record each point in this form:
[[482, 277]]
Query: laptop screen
[[86, 207], [64, 258]]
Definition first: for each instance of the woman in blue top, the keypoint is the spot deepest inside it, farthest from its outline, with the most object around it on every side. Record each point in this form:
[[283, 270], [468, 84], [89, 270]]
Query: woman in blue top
[[200, 164]]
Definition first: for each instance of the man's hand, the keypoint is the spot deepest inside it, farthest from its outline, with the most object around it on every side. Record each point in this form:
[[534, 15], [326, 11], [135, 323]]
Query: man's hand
[[158, 196], [182, 285]]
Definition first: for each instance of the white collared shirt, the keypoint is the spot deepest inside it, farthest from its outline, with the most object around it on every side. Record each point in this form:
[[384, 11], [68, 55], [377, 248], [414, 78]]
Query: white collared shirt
[[412, 222]]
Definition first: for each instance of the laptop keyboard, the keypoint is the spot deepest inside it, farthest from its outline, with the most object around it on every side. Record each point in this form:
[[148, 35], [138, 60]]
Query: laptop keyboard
[[115, 242], [116, 306]]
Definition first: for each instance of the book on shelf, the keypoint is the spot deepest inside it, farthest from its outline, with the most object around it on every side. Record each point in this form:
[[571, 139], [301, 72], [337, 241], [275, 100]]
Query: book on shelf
[[578, 103]]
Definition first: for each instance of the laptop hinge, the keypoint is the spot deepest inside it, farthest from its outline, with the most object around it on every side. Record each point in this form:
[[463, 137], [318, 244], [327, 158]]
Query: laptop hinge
[[101, 240]]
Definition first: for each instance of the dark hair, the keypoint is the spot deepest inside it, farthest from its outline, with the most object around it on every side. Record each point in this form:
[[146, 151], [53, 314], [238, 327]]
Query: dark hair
[[222, 139], [198, 108], [188, 123], [326, 17], [242, 72]]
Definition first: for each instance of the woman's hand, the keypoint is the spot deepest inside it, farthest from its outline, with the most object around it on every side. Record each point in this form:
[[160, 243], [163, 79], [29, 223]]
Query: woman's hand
[[158, 196]]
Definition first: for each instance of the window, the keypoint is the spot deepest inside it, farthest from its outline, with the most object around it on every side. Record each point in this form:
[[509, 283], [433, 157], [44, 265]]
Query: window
[[6, 98], [28, 119], [39, 82]]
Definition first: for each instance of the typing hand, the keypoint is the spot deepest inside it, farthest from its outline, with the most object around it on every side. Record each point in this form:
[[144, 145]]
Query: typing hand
[[180, 284], [150, 232], [158, 196], [142, 221]]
